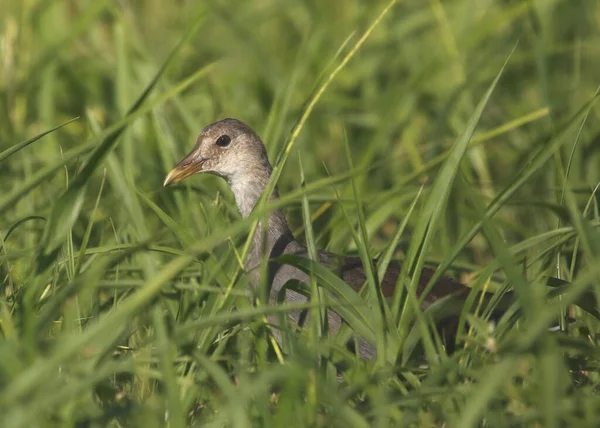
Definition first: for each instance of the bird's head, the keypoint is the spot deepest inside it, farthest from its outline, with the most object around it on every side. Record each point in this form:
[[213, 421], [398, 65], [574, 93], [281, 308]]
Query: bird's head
[[228, 148]]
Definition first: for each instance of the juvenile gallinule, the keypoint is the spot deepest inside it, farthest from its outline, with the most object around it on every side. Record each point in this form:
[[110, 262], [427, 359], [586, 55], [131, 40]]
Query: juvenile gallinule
[[232, 150]]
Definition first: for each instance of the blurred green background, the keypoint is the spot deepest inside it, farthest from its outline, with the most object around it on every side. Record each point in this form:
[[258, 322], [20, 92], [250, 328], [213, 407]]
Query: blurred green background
[[106, 317]]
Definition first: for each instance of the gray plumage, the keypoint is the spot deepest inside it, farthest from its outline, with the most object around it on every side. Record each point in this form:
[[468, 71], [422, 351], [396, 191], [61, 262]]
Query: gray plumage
[[232, 150]]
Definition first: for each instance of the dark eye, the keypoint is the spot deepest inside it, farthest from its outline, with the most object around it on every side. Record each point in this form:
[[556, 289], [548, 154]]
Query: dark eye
[[223, 141]]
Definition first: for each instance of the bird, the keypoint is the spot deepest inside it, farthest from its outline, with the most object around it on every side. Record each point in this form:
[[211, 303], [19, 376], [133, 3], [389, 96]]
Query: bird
[[230, 149]]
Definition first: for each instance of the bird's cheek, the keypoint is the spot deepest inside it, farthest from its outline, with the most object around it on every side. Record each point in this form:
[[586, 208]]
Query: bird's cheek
[[208, 166]]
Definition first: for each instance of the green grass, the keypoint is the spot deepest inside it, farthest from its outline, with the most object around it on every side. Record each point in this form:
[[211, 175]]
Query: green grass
[[124, 304]]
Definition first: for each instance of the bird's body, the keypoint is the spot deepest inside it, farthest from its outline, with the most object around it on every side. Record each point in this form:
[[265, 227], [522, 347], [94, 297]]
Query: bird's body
[[230, 149]]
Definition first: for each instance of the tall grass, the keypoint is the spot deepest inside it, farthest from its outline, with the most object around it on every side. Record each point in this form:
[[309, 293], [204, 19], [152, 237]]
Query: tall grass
[[461, 134]]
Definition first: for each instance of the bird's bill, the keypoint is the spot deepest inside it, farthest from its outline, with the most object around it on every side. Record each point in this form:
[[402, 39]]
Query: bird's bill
[[188, 166]]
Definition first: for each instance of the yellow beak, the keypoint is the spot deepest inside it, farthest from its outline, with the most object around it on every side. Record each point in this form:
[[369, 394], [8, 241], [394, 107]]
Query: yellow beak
[[188, 166]]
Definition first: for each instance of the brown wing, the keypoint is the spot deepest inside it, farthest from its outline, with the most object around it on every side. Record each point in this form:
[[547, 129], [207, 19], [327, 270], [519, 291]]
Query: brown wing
[[351, 270]]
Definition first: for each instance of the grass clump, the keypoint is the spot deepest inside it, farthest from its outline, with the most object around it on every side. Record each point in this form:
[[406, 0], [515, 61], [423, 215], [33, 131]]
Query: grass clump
[[459, 134]]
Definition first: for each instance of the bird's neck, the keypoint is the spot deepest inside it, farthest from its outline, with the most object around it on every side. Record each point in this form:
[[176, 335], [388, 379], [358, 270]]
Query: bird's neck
[[272, 231]]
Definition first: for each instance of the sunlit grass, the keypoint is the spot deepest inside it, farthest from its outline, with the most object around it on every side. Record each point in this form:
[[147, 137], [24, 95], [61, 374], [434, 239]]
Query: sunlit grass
[[125, 304]]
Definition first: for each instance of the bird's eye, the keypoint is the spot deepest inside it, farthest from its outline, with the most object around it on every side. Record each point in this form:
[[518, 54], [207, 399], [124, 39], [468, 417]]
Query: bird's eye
[[223, 141]]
